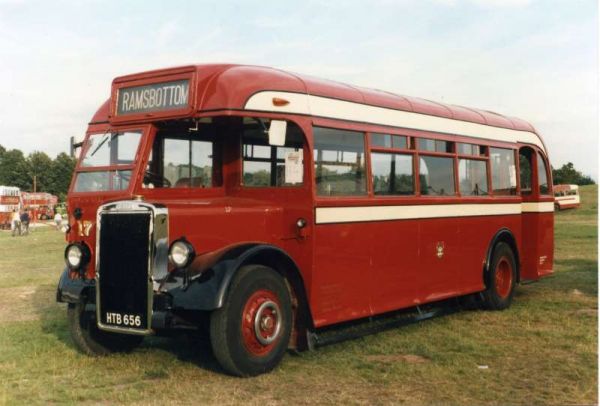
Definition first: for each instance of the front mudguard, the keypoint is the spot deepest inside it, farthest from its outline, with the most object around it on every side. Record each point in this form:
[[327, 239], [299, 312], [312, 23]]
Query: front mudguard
[[209, 291], [74, 290]]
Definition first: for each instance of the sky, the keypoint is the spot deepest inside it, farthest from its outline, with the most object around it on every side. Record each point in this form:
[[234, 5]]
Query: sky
[[537, 60]]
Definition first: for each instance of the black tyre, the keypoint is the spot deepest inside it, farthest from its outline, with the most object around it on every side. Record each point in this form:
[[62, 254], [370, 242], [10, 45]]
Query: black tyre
[[90, 339], [249, 335], [502, 278]]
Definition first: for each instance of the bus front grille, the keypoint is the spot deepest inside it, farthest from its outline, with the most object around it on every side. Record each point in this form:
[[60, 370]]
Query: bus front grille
[[123, 276]]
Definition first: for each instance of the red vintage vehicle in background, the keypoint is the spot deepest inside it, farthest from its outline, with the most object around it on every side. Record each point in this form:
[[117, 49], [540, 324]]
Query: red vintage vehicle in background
[[42, 205], [263, 207], [10, 200]]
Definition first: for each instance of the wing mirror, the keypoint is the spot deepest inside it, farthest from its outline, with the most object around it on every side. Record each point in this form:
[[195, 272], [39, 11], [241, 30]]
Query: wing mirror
[[277, 131]]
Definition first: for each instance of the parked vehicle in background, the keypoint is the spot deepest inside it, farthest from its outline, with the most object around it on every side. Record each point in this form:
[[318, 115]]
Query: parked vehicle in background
[[566, 197], [10, 200], [42, 204], [264, 206]]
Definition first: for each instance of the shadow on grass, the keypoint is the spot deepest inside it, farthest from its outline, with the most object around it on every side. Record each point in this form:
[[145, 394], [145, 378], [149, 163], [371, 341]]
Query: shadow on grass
[[575, 273], [192, 347]]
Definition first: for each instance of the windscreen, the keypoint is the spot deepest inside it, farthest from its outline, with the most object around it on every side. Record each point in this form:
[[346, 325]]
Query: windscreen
[[110, 149]]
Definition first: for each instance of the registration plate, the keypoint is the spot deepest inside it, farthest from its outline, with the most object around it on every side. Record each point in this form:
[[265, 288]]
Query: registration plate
[[123, 320]]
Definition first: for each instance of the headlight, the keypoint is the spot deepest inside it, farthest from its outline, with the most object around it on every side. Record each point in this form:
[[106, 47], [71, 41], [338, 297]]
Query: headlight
[[76, 255], [181, 253]]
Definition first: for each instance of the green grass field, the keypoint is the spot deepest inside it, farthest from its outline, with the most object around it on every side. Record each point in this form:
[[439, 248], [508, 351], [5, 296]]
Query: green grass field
[[543, 350]]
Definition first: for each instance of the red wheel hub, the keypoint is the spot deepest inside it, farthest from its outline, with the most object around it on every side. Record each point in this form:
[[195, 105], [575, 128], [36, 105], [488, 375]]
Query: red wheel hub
[[261, 322], [504, 277]]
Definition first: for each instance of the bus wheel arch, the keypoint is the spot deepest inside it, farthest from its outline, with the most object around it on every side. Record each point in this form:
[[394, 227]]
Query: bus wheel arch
[[250, 333], [502, 236], [278, 260]]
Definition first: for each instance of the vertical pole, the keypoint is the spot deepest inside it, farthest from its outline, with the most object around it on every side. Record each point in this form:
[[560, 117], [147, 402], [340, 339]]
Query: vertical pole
[[34, 183]]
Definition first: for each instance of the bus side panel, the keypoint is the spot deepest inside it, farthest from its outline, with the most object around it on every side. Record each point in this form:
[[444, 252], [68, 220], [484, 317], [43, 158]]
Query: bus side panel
[[439, 259], [341, 278], [538, 245], [368, 268], [395, 264]]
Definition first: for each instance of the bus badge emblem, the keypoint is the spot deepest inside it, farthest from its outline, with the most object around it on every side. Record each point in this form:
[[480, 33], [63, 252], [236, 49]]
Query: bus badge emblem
[[440, 249]]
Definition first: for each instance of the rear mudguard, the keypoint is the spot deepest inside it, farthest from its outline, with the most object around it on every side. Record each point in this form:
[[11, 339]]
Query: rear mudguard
[[503, 235]]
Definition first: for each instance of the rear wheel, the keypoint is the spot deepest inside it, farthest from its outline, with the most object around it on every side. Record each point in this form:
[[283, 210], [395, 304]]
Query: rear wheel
[[90, 340], [250, 333], [502, 278]]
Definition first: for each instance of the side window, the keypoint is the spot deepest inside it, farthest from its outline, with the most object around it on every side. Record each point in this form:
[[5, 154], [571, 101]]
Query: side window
[[436, 175], [187, 163], [266, 165], [392, 174], [525, 171], [504, 174], [542, 175], [472, 177], [339, 162], [181, 158], [176, 155]]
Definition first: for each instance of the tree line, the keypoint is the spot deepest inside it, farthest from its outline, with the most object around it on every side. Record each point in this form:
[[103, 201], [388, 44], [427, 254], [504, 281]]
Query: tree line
[[567, 174], [51, 175]]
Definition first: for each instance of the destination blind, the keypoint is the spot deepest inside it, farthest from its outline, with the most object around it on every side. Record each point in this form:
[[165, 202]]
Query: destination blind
[[154, 97]]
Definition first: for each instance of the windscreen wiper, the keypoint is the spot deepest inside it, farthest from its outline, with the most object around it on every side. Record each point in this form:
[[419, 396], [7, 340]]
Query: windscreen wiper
[[101, 144]]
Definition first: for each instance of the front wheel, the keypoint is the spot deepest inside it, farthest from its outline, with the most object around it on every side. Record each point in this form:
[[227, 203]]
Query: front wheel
[[502, 278], [250, 333], [90, 340]]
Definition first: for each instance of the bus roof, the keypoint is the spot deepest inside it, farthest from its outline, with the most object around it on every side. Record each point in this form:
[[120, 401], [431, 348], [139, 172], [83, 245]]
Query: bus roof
[[236, 87]]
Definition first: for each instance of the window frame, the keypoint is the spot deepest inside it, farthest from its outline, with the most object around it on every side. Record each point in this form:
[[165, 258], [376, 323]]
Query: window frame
[[160, 154], [488, 167], [409, 150], [452, 155], [272, 160], [366, 153], [515, 151], [487, 173]]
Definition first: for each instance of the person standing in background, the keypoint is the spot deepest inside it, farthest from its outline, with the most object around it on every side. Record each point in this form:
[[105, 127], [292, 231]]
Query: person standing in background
[[25, 222], [57, 220], [15, 224]]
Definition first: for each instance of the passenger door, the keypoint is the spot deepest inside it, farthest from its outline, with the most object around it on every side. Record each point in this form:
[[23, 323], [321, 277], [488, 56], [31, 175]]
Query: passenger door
[[537, 251]]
